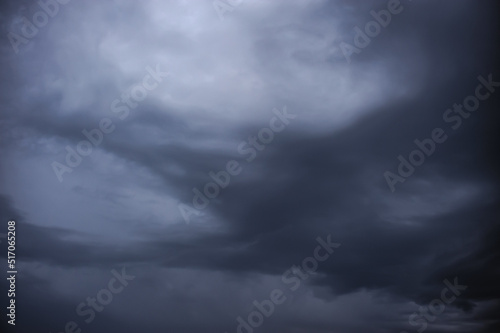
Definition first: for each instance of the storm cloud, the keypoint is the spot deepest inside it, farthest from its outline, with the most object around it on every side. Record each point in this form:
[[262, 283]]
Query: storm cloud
[[165, 95]]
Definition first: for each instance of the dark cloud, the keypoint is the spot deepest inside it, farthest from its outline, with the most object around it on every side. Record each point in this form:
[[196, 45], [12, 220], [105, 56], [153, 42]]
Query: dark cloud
[[322, 175]]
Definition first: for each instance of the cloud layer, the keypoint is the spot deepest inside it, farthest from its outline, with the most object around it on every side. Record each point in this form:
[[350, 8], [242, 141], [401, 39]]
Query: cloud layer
[[322, 175]]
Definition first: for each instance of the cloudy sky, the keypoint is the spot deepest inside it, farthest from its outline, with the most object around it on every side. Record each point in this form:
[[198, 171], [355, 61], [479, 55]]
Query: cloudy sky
[[171, 164]]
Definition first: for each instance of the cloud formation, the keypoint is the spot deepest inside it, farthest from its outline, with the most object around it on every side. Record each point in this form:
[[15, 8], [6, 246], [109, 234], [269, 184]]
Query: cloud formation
[[323, 175]]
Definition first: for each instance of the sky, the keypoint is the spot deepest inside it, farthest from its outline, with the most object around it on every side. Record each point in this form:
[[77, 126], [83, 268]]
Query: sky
[[293, 166]]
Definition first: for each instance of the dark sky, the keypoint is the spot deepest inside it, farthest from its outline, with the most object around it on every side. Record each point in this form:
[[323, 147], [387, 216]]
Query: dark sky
[[326, 167]]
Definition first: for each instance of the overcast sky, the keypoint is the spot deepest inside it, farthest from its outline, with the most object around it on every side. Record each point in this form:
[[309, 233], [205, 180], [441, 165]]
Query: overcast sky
[[303, 114]]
